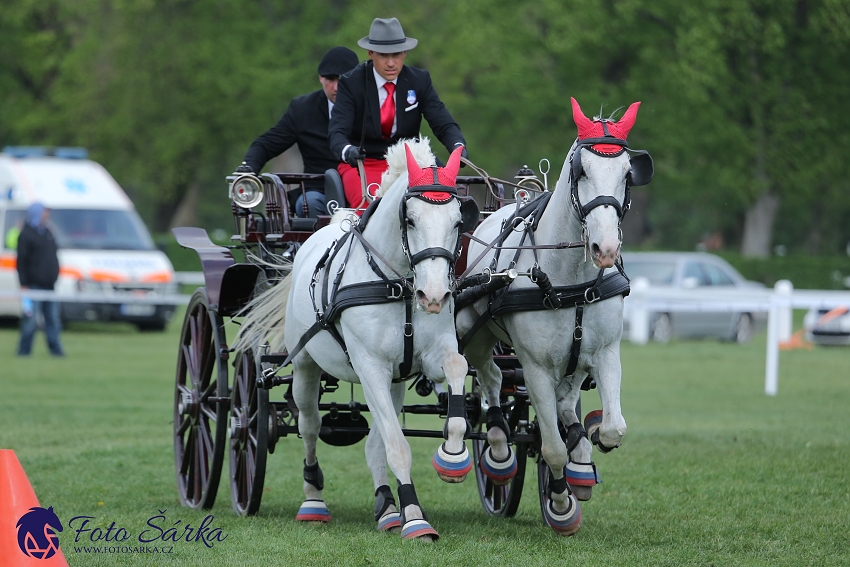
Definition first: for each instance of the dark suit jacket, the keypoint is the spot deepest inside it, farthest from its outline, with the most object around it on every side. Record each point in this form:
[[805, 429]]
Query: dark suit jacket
[[415, 97], [305, 123]]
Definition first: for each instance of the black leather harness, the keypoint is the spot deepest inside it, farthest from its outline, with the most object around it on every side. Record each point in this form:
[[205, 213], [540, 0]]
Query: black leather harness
[[503, 299], [335, 299]]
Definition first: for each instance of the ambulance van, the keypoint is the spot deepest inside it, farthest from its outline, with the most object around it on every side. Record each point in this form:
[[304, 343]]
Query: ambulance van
[[104, 247]]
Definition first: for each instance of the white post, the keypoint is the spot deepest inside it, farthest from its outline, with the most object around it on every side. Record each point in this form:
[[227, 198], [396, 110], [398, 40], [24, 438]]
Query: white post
[[784, 289], [778, 316], [638, 314]]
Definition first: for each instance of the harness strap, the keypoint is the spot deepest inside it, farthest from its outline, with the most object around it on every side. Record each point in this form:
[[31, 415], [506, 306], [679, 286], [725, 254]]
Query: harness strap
[[495, 418], [575, 350]]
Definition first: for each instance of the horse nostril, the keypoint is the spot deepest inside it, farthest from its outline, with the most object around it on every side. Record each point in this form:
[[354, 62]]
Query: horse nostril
[[594, 248], [420, 296]]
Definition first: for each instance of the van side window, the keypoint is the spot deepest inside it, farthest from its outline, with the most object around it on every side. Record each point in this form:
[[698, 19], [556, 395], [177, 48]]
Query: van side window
[[12, 225]]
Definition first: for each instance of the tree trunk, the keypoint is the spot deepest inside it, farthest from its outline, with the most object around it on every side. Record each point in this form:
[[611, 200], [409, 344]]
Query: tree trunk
[[186, 212], [758, 226]]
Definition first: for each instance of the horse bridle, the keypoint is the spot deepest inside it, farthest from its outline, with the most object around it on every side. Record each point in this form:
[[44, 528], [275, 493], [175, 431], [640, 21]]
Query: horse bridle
[[640, 173], [469, 218]]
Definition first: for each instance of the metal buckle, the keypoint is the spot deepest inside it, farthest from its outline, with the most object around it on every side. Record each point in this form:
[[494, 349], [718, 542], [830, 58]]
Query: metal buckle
[[391, 291], [408, 327], [578, 333], [593, 300]]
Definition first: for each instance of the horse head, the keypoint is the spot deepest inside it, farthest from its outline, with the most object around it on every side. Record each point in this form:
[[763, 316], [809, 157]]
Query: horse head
[[601, 173], [432, 218]]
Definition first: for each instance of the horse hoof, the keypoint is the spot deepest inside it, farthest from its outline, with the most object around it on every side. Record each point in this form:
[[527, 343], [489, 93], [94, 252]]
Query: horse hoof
[[314, 511], [452, 467], [390, 522], [564, 523], [582, 477], [499, 472], [582, 493], [419, 529]]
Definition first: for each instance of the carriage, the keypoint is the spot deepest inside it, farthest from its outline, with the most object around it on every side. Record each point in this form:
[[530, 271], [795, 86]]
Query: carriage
[[241, 402]]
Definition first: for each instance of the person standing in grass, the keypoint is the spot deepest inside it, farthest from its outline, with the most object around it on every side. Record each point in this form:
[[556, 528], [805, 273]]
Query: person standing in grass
[[38, 269]]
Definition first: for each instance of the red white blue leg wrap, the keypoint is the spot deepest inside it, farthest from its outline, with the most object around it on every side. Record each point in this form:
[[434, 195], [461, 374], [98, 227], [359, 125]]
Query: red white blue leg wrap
[[313, 511]]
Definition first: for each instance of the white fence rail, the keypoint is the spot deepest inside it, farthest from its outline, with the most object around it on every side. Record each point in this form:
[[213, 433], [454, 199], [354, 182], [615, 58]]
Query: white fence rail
[[778, 303]]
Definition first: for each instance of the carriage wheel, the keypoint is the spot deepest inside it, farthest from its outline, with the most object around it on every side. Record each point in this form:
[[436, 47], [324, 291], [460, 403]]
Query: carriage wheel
[[199, 421], [501, 500], [249, 436]]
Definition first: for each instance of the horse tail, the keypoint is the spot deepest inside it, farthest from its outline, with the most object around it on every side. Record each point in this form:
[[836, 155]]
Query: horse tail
[[397, 160], [265, 316]]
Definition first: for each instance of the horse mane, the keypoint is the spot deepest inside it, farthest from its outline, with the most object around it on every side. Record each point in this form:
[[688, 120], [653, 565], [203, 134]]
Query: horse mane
[[397, 161]]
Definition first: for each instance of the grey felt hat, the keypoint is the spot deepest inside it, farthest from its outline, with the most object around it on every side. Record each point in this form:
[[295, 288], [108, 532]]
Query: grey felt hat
[[386, 36], [338, 61]]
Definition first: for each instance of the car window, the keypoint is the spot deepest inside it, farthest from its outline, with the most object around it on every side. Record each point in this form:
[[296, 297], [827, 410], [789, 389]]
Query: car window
[[658, 272], [716, 275], [695, 270]]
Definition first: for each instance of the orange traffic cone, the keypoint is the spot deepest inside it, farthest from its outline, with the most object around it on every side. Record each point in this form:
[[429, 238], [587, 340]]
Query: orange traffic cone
[[34, 529], [797, 340]]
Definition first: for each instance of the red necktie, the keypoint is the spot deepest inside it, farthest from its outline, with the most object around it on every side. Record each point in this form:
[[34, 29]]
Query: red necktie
[[388, 111]]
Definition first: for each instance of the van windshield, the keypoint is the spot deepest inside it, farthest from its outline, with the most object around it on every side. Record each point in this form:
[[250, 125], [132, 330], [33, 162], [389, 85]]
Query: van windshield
[[93, 229]]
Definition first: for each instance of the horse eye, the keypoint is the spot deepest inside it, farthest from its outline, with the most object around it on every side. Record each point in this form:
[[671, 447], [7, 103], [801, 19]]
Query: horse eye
[[410, 222]]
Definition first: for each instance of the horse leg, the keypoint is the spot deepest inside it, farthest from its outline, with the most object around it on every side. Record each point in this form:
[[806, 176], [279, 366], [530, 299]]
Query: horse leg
[[305, 392], [451, 460], [380, 401], [606, 428], [386, 513], [581, 471], [498, 461], [562, 511]]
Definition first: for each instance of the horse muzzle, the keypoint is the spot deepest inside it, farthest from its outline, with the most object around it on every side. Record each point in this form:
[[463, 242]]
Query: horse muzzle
[[604, 256], [432, 303]]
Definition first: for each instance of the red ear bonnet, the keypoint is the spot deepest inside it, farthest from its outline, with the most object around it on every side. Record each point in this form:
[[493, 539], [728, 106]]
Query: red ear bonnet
[[445, 176], [593, 128]]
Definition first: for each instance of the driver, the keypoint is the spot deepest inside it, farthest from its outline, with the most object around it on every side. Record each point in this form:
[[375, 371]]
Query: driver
[[380, 102], [306, 123]]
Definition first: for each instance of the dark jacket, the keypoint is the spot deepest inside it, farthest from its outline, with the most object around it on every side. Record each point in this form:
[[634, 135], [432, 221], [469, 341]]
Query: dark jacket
[[38, 263], [415, 97], [305, 123]]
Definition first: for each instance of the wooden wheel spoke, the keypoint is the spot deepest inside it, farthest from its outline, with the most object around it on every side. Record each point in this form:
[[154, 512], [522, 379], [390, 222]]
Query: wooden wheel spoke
[[209, 411], [191, 368], [184, 425], [209, 358], [188, 446]]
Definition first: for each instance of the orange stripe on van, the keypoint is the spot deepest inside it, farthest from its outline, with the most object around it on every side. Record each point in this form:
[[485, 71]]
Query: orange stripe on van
[[104, 276], [72, 273], [157, 277], [8, 263]]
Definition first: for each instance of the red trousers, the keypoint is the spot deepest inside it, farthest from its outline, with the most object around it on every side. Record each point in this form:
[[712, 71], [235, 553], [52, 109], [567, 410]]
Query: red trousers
[[351, 180]]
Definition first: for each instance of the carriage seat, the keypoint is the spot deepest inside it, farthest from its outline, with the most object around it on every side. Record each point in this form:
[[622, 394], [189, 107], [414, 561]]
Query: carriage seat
[[333, 188]]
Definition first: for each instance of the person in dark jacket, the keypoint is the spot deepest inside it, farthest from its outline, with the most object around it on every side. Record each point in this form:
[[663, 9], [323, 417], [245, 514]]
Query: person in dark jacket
[[381, 102], [306, 124], [38, 269]]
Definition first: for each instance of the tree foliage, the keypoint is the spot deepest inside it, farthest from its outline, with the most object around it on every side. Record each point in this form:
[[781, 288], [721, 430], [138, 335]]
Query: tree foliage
[[741, 100]]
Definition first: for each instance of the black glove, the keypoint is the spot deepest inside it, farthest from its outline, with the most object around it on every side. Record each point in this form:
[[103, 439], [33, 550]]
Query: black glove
[[352, 155], [465, 155]]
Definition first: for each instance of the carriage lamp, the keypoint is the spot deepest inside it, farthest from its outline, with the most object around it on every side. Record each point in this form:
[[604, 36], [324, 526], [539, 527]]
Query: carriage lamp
[[246, 191]]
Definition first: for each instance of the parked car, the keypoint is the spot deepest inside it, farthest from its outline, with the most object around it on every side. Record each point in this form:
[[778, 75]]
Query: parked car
[[689, 270], [828, 326]]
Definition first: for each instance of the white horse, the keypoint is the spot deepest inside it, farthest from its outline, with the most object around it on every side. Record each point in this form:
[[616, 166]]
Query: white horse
[[407, 251], [587, 205]]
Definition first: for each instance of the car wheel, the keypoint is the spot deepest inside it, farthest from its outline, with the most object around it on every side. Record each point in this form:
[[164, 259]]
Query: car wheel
[[662, 329], [743, 330]]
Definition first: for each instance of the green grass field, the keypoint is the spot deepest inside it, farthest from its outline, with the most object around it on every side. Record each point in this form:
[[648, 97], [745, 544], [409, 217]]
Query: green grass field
[[712, 471]]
